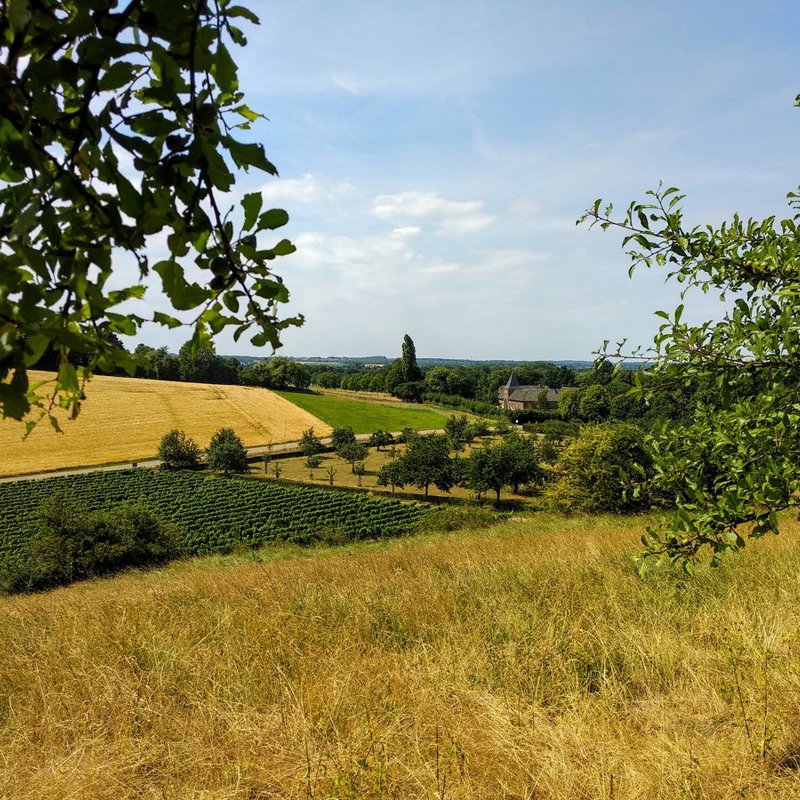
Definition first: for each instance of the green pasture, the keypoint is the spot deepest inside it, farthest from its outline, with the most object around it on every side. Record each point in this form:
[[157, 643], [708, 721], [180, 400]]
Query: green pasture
[[365, 417]]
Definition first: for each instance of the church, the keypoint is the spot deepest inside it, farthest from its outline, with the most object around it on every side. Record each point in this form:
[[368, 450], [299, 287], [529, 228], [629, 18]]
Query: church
[[514, 395]]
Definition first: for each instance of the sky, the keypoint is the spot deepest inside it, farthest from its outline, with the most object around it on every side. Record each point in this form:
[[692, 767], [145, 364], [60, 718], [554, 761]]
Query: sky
[[435, 156]]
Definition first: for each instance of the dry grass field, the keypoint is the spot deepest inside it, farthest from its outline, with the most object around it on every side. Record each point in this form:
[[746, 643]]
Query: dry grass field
[[124, 419], [525, 661]]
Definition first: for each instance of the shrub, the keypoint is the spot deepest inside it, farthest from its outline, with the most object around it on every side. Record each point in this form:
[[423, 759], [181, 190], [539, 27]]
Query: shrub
[[226, 453], [407, 435], [556, 428], [523, 415], [601, 470], [178, 451], [72, 543]]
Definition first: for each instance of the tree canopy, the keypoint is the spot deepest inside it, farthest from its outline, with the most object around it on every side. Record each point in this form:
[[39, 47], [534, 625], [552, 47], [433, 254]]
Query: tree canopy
[[735, 463], [118, 123]]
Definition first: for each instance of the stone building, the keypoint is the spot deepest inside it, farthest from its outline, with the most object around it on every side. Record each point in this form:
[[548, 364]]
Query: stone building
[[514, 395]]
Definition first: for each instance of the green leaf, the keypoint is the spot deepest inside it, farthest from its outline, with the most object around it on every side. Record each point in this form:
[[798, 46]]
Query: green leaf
[[284, 248], [223, 69], [272, 219], [248, 155], [241, 11], [166, 319], [19, 15], [251, 203], [183, 295], [248, 113]]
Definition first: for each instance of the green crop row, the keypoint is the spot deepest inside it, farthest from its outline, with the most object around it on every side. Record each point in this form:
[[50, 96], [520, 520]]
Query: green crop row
[[214, 514]]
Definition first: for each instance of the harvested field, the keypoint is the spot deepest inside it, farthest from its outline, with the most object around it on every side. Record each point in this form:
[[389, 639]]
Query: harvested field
[[123, 419]]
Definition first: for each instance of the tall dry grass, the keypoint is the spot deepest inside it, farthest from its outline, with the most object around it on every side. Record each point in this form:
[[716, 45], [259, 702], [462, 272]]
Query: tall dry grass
[[526, 661]]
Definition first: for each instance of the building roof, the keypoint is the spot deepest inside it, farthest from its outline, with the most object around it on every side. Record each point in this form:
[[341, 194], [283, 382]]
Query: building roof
[[530, 394], [512, 382]]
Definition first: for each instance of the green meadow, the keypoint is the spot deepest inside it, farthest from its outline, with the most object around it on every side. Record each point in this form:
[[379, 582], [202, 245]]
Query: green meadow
[[364, 416]]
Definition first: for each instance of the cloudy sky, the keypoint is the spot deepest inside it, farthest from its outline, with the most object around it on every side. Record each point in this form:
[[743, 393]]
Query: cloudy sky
[[434, 157]]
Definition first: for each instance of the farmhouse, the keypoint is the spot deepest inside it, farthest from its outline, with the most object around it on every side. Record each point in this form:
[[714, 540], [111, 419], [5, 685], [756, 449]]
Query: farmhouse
[[515, 395]]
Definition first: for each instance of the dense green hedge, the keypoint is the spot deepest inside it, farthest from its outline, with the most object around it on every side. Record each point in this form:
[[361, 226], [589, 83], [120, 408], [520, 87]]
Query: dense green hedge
[[213, 514]]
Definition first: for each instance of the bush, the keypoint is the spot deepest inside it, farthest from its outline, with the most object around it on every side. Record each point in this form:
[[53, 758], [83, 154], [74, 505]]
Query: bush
[[556, 428], [226, 453], [601, 471], [526, 415], [479, 429], [71, 543], [178, 451], [407, 435]]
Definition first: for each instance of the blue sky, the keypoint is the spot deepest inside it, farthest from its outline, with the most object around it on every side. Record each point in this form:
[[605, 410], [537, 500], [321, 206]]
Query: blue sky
[[434, 157]]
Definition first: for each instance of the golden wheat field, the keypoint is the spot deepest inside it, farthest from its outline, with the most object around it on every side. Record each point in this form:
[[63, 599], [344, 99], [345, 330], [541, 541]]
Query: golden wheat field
[[522, 661], [123, 419]]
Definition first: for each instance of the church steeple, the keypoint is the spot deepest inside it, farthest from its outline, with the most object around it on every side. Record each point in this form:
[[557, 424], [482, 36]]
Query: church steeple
[[512, 383]]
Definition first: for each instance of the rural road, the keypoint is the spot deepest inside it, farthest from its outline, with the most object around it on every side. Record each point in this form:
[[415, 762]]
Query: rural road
[[252, 452]]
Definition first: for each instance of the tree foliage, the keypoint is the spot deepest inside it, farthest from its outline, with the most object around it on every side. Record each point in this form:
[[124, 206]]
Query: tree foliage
[[735, 463], [86, 89], [511, 462], [226, 453], [310, 443], [341, 437], [427, 461], [352, 452], [602, 469], [380, 438], [178, 451]]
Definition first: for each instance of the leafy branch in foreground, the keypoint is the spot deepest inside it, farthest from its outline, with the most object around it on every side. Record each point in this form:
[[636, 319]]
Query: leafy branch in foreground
[[117, 123], [737, 463]]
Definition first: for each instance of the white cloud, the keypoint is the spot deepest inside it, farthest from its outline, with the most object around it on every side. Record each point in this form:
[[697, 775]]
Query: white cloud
[[453, 217], [406, 231], [308, 189]]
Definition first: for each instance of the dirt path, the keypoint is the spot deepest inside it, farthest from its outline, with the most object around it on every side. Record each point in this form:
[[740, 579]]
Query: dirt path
[[252, 452]]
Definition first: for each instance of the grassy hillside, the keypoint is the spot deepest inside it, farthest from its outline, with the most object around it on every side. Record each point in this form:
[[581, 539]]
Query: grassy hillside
[[124, 419], [363, 416], [524, 661]]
